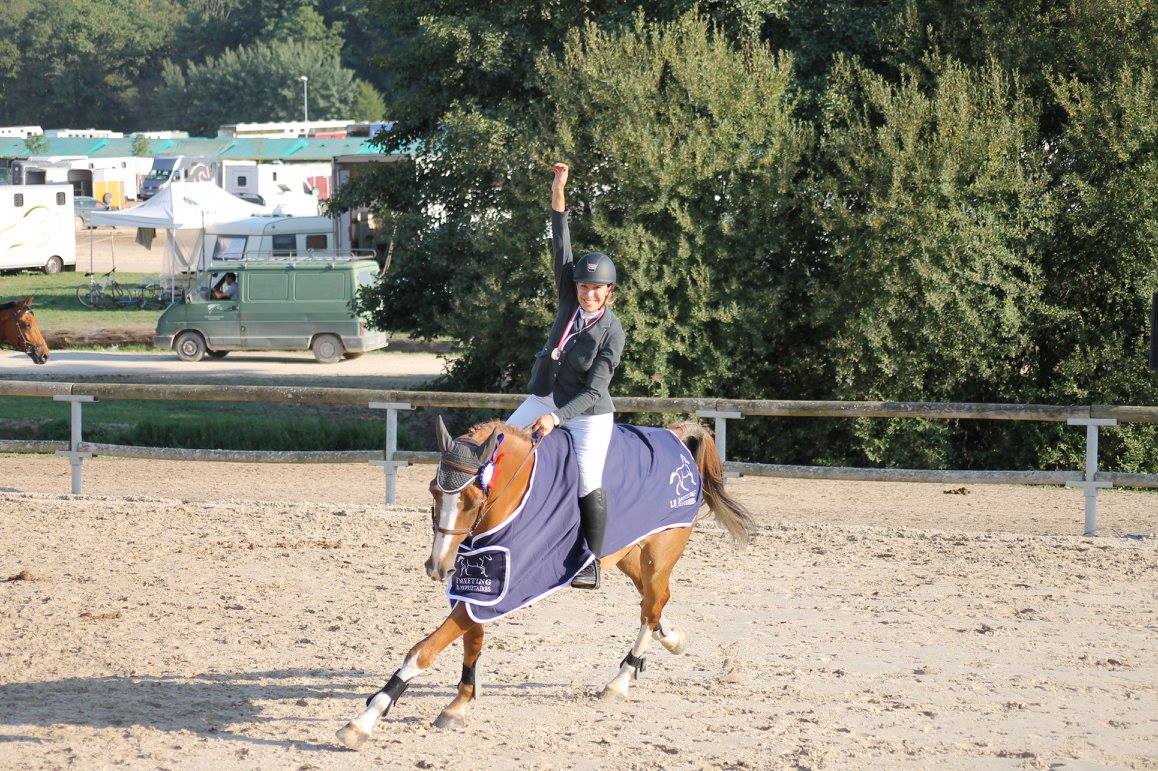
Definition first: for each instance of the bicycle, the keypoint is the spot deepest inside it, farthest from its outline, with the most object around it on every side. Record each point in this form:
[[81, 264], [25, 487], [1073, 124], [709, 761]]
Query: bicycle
[[107, 293]]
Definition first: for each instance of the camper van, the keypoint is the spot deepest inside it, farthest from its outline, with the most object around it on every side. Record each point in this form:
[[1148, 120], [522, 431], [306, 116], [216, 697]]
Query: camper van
[[272, 236], [171, 168], [36, 228], [272, 305]]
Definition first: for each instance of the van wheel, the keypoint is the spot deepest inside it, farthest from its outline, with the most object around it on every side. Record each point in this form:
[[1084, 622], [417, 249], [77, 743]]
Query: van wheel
[[327, 348], [54, 265], [352, 354], [190, 346]]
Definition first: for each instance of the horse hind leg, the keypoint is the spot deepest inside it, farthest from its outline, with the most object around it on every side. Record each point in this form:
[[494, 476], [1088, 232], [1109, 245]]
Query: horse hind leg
[[421, 657], [673, 639], [454, 715], [656, 560]]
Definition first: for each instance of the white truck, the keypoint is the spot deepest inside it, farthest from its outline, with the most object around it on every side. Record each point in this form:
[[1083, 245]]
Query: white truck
[[37, 228]]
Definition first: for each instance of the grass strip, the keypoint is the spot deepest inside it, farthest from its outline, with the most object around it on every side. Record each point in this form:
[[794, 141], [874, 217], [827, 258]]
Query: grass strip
[[56, 307], [203, 425]]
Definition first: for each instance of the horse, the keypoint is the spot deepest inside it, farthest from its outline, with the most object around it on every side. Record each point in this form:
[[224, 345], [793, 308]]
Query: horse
[[18, 328], [493, 491]]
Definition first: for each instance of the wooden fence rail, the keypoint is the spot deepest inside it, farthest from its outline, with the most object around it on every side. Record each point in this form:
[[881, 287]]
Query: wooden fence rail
[[1089, 480]]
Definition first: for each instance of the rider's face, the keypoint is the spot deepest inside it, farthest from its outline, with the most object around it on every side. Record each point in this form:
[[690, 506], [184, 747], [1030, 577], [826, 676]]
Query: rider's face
[[592, 297]]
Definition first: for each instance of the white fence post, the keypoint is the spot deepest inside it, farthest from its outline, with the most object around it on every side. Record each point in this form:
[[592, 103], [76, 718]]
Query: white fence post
[[388, 464], [722, 434], [75, 457], [1089, 483]]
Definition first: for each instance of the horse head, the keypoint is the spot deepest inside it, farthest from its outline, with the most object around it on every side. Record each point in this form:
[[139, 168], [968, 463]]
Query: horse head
[[480, 479], [19, 329]]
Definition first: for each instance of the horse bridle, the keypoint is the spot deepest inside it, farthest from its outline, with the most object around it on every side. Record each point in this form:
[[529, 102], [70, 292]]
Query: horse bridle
[[26, 346], [483, 508]]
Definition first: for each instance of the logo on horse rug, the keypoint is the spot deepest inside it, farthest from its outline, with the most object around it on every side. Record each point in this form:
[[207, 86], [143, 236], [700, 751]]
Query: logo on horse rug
[[480, 573], [652, 484]]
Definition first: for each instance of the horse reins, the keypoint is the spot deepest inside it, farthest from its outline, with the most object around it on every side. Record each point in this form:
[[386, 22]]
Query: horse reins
[[483, 508]]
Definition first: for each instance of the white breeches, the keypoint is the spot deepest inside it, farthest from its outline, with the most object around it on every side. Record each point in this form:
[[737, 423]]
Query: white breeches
[[590, 433]]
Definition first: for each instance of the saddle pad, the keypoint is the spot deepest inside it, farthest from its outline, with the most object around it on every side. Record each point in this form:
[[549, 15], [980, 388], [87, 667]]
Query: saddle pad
[[652, 484]]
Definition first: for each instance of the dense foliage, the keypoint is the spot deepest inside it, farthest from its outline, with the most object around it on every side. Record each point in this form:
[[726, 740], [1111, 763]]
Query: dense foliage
[[117, 64], [905, 200]]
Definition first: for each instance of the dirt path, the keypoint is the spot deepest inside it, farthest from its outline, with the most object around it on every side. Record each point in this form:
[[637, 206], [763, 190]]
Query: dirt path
[[399, 369], [870, 625]]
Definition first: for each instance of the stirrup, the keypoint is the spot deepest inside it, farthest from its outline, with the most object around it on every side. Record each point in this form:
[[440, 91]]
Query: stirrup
[[588, 577]]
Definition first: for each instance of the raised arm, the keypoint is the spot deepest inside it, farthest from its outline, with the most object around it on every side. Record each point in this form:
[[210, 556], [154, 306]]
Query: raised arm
[[558, 199], [561, 235]]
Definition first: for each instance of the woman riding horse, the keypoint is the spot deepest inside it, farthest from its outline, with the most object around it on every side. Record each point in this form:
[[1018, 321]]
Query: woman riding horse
[[495, 491], [18, 328], [572, 373]]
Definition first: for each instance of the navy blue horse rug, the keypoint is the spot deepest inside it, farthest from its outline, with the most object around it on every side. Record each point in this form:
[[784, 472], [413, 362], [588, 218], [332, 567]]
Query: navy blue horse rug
[[652, 484]]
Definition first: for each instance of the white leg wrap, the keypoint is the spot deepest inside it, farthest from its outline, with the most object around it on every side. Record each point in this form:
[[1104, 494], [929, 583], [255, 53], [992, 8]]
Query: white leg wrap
[[627, 673], [673, 639], [381, 701]]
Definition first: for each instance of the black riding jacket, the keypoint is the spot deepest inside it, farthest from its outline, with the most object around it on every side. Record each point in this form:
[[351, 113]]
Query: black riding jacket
[[580, 380]]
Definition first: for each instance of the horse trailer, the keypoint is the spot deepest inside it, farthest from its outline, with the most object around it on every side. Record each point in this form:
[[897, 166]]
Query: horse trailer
[[37, 228]]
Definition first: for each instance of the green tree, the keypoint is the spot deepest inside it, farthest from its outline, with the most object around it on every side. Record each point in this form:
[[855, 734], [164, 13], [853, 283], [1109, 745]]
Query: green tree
[[1101, 261], [141, 147], [257, 83], [85, 63], [36, 144], [934, 203]]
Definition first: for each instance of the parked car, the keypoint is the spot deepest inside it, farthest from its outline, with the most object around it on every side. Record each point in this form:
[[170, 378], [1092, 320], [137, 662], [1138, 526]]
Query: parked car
[[83, 205], [277, 306]]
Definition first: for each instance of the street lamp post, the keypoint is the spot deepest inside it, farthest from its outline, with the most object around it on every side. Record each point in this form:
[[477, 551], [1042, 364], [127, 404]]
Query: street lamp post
[[305, 97]]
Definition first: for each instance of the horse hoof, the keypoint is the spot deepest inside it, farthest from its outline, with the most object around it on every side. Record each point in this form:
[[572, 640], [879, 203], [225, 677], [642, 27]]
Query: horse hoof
[[612, 694], [352, 737], [676, 642], [448, 720]]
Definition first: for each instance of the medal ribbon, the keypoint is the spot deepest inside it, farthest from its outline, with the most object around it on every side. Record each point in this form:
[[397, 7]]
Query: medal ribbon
[[567, 335]]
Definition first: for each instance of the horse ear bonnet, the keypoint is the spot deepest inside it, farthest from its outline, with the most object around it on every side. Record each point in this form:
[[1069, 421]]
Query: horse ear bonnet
[[458, 465]]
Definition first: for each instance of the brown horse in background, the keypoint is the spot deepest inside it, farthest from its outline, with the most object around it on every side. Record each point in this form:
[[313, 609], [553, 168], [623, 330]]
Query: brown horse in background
[[18, 328], [459, 515]]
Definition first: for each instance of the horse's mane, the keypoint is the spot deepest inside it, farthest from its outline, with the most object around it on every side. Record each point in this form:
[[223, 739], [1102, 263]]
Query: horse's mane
[[7, 306], [482, 429]]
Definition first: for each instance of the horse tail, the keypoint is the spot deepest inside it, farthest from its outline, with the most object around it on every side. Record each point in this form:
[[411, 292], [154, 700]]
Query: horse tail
[[729, 512]]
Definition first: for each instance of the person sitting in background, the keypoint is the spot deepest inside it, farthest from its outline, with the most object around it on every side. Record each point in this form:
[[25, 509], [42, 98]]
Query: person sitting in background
[[226, 288]]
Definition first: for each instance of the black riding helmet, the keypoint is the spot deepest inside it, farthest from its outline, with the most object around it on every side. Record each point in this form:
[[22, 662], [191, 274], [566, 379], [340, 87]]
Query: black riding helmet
[[594, 268]]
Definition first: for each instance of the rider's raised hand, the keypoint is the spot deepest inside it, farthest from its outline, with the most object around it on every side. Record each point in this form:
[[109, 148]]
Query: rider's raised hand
[[558, 198]]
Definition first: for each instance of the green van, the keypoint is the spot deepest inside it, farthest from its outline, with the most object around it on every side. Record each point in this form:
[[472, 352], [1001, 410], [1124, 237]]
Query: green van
[[276, 306]]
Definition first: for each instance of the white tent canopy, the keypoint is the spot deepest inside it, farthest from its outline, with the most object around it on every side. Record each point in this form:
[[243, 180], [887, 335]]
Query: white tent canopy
[[180, 206]]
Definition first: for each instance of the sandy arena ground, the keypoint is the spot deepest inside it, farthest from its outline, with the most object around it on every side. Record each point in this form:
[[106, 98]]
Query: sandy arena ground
[[189, 615]]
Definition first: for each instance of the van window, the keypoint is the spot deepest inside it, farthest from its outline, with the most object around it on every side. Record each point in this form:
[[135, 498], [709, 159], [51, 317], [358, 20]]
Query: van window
[[285, 245], [229, 247], [267, 286], [317, 241], [321, 286]]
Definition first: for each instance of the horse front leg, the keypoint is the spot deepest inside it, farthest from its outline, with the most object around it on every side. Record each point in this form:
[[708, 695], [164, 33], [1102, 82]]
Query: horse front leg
[[420, 658], [455, 713]]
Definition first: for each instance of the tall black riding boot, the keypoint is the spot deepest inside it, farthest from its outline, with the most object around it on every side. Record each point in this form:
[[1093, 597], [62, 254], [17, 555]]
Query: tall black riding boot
[[593, 517]]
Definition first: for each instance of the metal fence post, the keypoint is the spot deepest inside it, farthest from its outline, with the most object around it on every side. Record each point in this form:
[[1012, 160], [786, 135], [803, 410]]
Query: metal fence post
[[73, 453], [722, 434], [1089, 484], [388, 464]]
